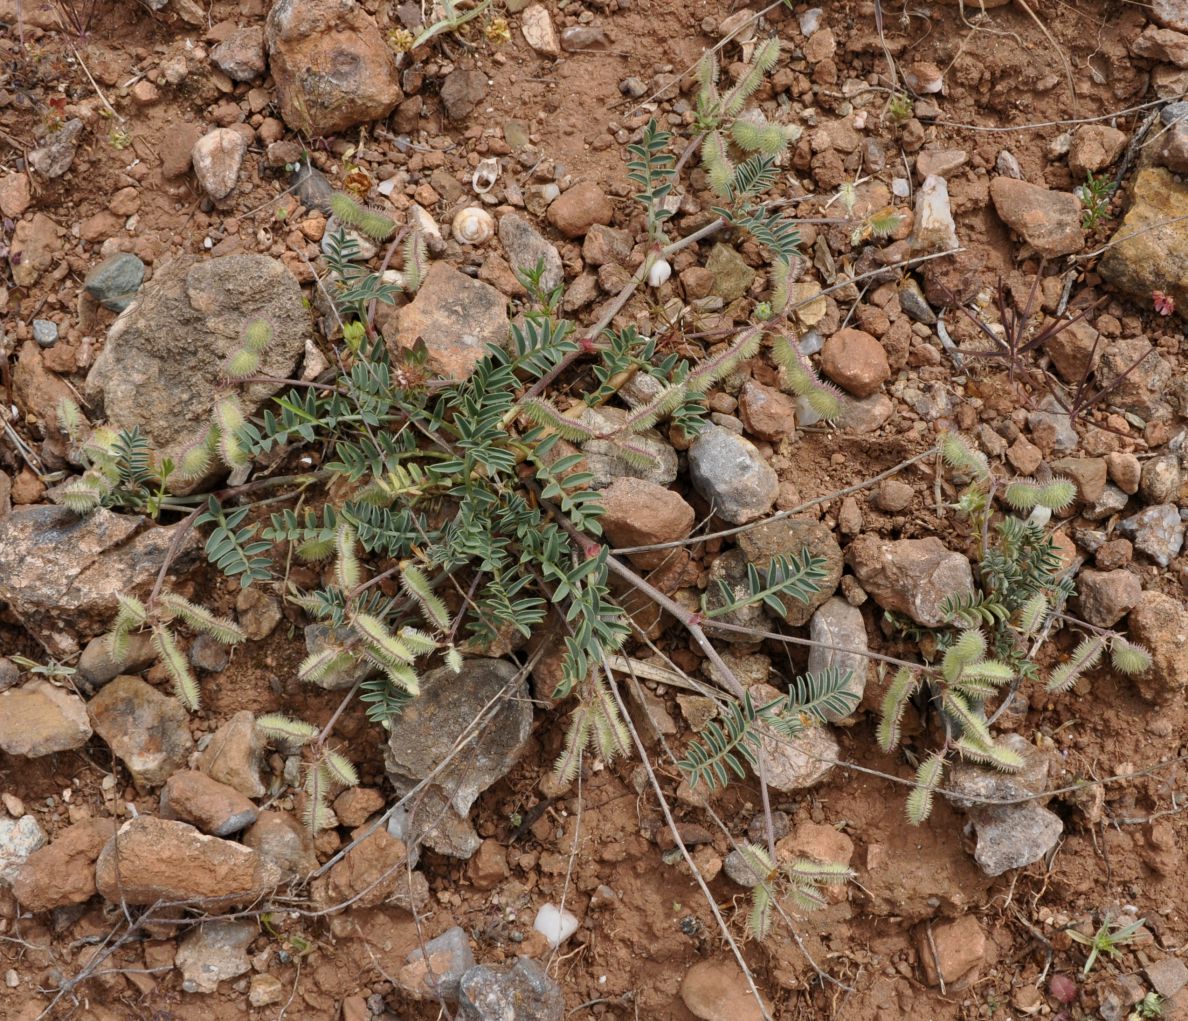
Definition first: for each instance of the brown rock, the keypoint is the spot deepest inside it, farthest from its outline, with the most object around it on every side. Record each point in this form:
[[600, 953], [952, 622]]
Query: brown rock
[[855, 361], [241, 55], [716, 990], [1074, 350], [332, 66], [1162, 44], [911, 576], [960, 946], [233, 755], [1105, 597], [284, 843], [463, 90], [789, 537], [605, 244], [1050, 221], [1124, 471], [894, 496], [38, 719], [821, 843], [1025, 456], [1094, 147], [356, 805], [34, 246], [152, 859], [63, 872], [150, 732], [213, 807], [638, 513], [488, 868], [177, 149], [457, 317], [373, 871], [14, 195], [766, 412], [1160, 623], [579, 208], [1089, 473]]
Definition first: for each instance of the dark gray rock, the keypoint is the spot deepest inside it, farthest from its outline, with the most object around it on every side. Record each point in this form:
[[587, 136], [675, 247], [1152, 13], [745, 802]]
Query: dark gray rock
[[10, 673], [729, 472], [517, 992], [423, 736], [60, 574], [115, 281], [96, 666], [161, 367]]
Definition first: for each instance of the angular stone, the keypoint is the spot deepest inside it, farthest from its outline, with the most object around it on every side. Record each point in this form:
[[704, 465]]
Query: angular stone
[[283, 843], [114, 282], [1094, 147], [730, 473], [790, 537], [1105, 597], [56, 156], [462, 91], [1162, 44], [732, 275], [766, 412], [521, 991], [457, 317], [606, 463], [639, 513], [422, 737], [933, 230], [211, 806], [536, 24], [150, 732], [526, 248], [729, 569], [217, 157], [372, 872], [1013, 836], [153, 859], [19, 838], [437, 970], [332, 66], [960, 947], [910, 576], [162, 365], [1050, 221], [838, 623], [60, 574], [39, 719], [1160, 624], [1156, 531], [800, 762], [241, 55], [63, 872], [215, 952], [34, 249], [233, 754], [1152, 240], [96, 666]]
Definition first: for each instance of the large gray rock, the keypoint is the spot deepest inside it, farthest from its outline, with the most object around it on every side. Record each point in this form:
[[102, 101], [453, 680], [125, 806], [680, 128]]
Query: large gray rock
[[910, 576], [161, 366], [1156, 531], [519, 992], [604, 458], [456, 317], [332, 66], [60, 574], [730, 473], [425, 734]]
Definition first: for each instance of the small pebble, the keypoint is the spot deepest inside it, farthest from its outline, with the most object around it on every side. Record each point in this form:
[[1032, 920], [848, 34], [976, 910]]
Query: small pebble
[[45, 332]]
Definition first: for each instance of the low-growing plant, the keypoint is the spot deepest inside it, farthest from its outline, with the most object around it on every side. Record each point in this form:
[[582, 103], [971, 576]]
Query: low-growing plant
[[993, 635], [1095, 195], [1110, 936]]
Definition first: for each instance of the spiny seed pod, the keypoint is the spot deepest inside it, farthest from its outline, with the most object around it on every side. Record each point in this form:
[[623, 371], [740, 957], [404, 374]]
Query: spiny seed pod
[[256, 335], [376, 225], [241, 363]]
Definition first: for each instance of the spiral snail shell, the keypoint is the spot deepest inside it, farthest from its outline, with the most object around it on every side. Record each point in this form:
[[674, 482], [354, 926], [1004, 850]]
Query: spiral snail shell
[[473, 226]]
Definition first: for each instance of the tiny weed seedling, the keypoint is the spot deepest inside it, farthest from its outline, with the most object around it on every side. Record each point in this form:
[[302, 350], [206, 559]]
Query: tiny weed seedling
[[1150, 1006], [1107, 940], [1095, 195]]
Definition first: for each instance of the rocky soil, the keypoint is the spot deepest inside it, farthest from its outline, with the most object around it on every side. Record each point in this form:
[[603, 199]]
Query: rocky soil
[[165, 169]]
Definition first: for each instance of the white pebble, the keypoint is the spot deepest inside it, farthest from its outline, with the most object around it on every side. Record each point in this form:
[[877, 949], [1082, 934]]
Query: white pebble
[[900, 187], [555, 924], [809, 21]]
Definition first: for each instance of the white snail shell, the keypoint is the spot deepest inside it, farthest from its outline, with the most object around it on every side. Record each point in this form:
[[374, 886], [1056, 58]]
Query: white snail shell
[[473, 226], [485, 175], [659, 273]]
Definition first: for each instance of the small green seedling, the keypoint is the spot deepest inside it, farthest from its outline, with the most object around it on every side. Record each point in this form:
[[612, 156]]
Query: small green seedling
[[1095, 196], [1106, 940], [1149, 1006]]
